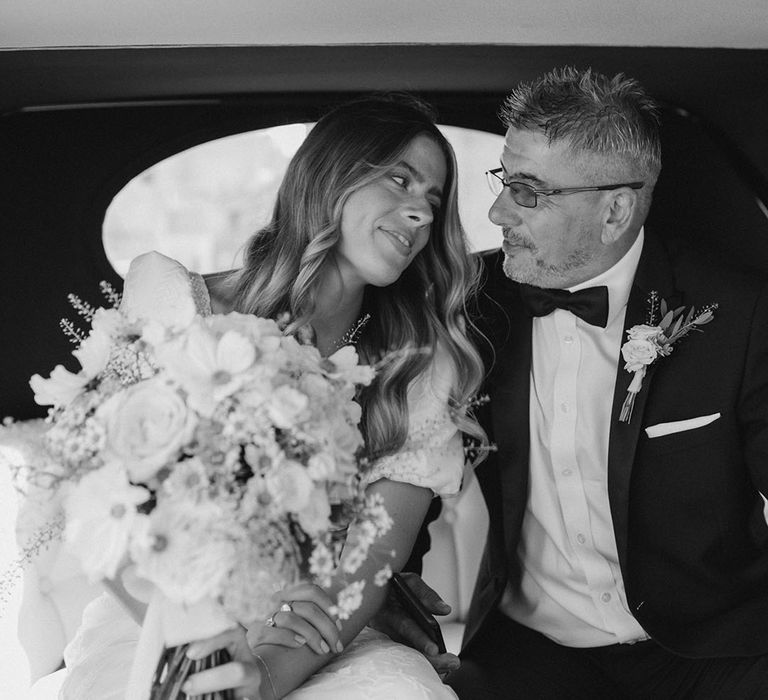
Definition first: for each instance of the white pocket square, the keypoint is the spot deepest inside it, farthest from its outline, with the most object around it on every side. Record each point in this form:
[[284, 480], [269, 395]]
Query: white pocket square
[[679, 426]]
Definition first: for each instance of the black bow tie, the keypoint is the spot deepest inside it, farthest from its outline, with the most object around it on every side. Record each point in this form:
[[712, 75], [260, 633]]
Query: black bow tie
[[590, 305]]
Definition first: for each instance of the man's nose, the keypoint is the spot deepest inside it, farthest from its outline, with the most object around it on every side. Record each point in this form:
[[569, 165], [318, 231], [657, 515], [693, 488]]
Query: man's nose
[[503, 211]]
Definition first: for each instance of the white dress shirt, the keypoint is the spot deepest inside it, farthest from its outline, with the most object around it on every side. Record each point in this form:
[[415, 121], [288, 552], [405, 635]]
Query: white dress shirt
[[572, 589]]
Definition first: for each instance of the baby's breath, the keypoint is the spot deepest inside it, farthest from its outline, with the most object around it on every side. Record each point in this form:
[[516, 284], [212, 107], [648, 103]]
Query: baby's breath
[[110, 293], [83, 308], [130, 364], [40, 540], [75, 334]]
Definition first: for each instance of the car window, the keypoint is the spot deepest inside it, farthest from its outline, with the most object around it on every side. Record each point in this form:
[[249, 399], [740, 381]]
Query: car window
[[201, 205]]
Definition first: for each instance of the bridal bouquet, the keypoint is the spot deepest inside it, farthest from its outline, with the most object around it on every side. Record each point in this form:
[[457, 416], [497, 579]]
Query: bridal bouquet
[[216, 456]]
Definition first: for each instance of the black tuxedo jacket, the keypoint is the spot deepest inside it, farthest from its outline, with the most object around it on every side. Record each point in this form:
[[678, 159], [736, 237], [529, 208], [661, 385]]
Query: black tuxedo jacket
[[687, 508]]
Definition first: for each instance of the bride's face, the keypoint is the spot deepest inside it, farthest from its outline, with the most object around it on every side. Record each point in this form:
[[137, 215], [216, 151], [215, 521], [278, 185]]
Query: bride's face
[[386, 223]]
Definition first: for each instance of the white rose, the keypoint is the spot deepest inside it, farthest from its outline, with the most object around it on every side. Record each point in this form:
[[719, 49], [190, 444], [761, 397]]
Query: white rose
[[314, 517], [638, 354], [644, 332], [146, 427]]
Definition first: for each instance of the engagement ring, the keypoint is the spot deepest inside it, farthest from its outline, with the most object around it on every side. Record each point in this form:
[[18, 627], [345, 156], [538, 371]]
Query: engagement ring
[[286, 607], [270, 621]]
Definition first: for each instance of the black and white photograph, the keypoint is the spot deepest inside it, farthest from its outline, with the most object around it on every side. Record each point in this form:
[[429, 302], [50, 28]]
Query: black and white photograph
[[358, 350]]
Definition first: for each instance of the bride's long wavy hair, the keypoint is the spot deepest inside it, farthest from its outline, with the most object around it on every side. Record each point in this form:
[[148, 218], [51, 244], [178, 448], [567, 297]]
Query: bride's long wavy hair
[[347, 149]]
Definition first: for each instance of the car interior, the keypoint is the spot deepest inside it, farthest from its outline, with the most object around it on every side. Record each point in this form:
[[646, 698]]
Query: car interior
[[82, 115]]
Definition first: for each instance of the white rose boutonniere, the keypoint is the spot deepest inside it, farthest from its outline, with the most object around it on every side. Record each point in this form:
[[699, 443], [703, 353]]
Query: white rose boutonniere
[[647, 342]]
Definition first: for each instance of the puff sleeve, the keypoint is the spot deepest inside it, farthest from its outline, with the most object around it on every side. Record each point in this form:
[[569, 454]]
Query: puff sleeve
[[433, 455]]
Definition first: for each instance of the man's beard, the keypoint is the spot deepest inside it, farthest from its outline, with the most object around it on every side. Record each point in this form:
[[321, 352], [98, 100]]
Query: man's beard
[[537, 272]]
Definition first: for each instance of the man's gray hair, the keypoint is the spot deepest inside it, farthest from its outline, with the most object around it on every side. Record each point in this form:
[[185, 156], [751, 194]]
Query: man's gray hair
[[595, 114]]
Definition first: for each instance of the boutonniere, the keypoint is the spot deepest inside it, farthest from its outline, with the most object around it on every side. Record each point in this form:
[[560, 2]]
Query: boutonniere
[[656, 338]]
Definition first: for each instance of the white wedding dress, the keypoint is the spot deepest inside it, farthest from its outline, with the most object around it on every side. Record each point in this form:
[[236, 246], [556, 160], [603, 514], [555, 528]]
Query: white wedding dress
[[372, 667]]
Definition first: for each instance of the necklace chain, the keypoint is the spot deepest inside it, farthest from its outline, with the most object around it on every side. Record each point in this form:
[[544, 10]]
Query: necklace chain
[[352, 334]]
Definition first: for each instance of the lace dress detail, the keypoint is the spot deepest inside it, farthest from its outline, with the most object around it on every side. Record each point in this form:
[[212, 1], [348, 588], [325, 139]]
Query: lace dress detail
[[200, 294], [373, 667], [433, 454]]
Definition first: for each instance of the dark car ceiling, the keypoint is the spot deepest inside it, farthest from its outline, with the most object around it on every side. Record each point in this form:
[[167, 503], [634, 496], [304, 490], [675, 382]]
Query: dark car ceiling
[[730, 86], [77, 124]]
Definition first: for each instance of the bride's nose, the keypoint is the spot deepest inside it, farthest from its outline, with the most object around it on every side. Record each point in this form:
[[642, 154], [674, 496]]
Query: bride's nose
[[418, 211]]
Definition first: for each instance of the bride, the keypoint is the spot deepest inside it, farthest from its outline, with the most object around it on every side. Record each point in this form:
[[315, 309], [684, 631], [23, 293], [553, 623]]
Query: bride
[[364, 247]]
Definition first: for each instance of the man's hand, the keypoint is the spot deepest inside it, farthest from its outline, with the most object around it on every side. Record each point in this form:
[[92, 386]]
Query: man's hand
[[395, 622]]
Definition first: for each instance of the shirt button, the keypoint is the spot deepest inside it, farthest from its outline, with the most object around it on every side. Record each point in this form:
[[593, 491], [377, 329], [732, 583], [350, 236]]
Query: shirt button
[[606, 597], [564, 407], [567, 472], [580, 538], [568, 339]]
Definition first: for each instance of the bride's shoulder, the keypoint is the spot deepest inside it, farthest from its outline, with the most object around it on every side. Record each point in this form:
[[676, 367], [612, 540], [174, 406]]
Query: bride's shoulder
[[156, 284], [154, 267], [161, 288]]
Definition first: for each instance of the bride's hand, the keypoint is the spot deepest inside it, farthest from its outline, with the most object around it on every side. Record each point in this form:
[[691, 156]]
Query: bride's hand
[[302, 616], [246, 674]]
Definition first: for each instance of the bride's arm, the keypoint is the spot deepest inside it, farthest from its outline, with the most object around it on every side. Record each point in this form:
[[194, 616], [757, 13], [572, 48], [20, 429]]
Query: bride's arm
[[290, 667], [406, 505]]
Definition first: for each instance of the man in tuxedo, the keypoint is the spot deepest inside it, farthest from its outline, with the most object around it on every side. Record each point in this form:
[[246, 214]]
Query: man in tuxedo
[[627, 555]]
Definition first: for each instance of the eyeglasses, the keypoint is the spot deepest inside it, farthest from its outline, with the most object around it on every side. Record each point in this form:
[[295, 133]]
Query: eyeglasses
[[527, 196]]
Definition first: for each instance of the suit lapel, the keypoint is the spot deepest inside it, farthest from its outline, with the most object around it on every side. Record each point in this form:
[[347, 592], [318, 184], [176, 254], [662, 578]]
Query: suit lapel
[[654, 273], [513, 434], [508, 387]]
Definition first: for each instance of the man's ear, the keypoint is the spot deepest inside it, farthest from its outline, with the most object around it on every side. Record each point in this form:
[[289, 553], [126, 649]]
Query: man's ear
[[619, 212]]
